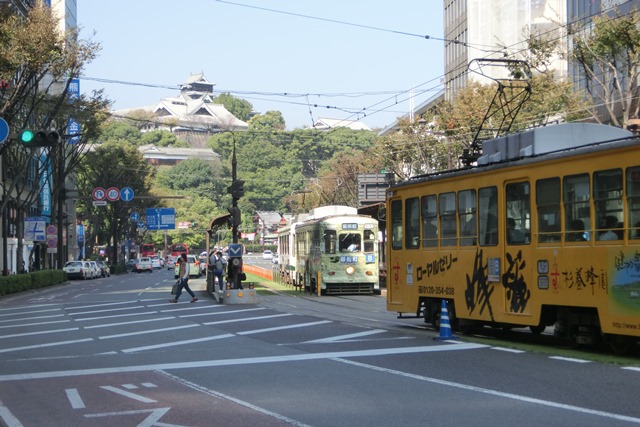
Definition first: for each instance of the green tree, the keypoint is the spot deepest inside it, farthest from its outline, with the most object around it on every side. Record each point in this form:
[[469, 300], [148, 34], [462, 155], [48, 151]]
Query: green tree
[[268, 122], [119, 131], [608, 53], [112, 164], [162, 138], [37, 66], [238, 107]]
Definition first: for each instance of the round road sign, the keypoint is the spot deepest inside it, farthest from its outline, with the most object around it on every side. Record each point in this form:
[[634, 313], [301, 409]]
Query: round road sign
[[4, 129], [113, 194], [99, 193]]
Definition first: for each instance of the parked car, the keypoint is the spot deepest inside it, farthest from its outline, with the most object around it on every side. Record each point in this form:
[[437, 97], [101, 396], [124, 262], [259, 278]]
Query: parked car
[[155, 262], [267, 254], [194, 269], [95, 269], [104, 269], [274, 259], [143, 264], [131, 264], [76, 270]]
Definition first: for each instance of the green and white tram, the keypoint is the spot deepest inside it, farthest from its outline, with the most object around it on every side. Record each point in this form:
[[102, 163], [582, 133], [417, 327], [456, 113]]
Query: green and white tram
[[334, 247]]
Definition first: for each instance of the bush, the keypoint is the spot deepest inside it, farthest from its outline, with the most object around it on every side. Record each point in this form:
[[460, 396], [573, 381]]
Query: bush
[[34, 280]]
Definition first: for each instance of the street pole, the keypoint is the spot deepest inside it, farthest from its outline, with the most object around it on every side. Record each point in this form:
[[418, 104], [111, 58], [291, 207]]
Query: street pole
[[234, 229], [60, 202]]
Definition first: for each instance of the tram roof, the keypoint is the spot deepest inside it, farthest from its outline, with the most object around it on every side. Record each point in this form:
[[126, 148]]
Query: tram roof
[[539, 144], [547, 139]]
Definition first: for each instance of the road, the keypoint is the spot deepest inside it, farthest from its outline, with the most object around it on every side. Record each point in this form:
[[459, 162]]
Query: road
[[114, 351]]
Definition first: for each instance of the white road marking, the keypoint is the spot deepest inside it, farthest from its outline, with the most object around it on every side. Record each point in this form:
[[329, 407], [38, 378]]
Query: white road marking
[[22, 319], [151, 420], [176, 343], [48, 322], [128, 394], [219, 313], [497, 393], [345, 337], [53, 344], [247, 319], [280, 328], [235, 400], [241, 361], [508, 350], [22, 313], [135, 322], [147, 331], [116, 315], [25, 334], [9, 419], [569, 359], [75, 399]]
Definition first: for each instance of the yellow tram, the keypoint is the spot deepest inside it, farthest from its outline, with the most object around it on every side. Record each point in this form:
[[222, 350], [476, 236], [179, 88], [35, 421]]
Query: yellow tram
[[543, 231]]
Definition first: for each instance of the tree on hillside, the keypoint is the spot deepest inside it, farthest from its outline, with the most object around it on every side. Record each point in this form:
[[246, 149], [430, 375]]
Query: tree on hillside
[[238, 107], [162, 138], [268, 122], [119, 131]]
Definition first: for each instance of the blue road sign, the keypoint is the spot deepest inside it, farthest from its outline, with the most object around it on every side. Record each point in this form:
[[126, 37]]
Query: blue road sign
[[135, 217], [235, 250], [126, 194], [161, 219], [4, 129]]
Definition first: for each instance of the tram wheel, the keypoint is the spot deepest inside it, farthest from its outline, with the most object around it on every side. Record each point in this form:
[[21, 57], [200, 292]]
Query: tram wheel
[[619, 344], [537, 329]]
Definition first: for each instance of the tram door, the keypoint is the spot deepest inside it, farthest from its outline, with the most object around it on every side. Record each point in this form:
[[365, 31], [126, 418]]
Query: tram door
[[517, 243]]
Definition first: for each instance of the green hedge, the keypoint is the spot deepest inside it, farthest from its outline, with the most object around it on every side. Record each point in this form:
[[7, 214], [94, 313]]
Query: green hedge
[[35, 280]]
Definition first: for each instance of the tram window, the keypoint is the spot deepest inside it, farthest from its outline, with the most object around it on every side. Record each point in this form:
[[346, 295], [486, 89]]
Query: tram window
[[429, 221], [518, 210], [350, 242], [396, 224], [607, 198], [633, 201], [548, 205], [369, 240], [330, 241], [447, 205], [488, 216], [576, 196], [467, 215], [412, 221]]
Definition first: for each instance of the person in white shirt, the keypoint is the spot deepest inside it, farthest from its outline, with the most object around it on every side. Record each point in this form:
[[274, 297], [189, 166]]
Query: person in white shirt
[[184, 271]]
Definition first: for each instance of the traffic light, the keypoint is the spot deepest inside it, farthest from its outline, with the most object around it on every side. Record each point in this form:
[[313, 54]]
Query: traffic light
[[235, 219], [236, 189], [42, 138]]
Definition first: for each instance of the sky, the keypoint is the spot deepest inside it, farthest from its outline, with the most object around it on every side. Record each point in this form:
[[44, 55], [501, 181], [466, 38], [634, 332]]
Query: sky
[[347, 60]]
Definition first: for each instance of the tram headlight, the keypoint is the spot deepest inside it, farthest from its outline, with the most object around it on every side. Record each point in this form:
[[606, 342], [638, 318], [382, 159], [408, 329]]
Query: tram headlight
[[350, 270]]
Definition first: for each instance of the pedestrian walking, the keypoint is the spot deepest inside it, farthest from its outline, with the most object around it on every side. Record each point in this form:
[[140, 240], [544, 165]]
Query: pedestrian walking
[[183, 273]]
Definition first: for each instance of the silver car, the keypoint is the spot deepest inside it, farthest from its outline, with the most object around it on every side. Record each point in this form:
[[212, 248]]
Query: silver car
[[77, 270], [96, 270]]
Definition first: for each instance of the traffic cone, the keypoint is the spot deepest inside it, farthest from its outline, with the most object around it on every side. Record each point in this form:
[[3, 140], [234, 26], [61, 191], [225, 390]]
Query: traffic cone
[[445, 325]]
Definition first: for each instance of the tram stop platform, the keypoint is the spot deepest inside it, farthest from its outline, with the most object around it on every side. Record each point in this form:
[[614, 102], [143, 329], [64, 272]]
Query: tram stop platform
[[248, 295], [236, 296]]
